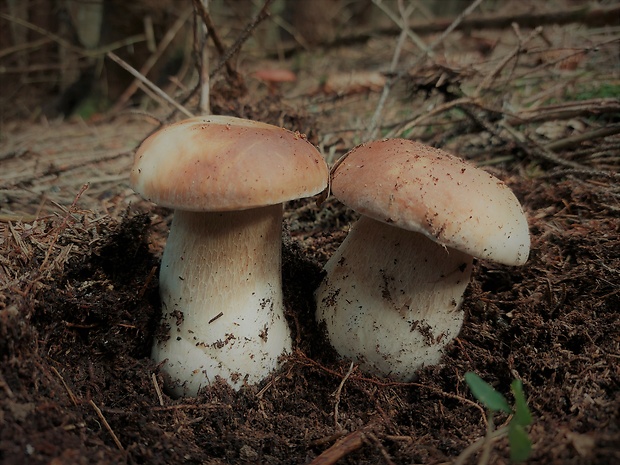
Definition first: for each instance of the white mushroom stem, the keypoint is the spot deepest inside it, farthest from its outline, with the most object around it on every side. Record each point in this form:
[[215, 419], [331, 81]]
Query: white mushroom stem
[[391, 298], [221, 292]]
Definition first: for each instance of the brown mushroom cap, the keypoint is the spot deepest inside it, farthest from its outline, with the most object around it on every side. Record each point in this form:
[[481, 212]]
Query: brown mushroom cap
[[222, 163], [424, 189]]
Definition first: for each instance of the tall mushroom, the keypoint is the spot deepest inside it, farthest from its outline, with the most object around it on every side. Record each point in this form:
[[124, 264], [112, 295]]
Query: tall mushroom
[[220, 280], [391, 298]]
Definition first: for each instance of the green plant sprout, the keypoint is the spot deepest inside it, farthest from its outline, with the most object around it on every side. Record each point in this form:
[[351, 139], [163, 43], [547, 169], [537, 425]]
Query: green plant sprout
[[493, 401]]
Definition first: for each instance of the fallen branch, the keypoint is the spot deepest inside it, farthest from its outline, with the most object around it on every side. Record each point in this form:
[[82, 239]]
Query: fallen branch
[[570, 142], [338, 392], [566, 110], [340, 449]]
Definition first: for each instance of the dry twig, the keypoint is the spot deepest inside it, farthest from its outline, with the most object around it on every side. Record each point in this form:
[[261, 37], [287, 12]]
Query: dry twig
[[206, 19], [160, 397], [74, 399], [150, 62], [340, 449], [310, 362], [486, 83], [338, 392], [107, 426], [245, 35], [374, 121], [160, 93]]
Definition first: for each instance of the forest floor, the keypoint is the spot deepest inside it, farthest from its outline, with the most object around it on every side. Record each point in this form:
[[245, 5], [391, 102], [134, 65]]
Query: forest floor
[[79, 256]]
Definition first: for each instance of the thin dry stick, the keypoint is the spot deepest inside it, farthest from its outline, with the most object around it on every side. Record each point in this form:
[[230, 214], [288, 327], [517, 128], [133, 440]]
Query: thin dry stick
[[488, 441], [375, 440], [150, 62], [23, 218], [148, 83], [6, 387], [402, 24], [457, 21], [531, 147], [147, 281], [314, 363], [479, 444], [487, 81], [215, 38], [107, 426], [74, 399], [547, 64], [24, 46], [570, 142], [438, 109], [245, 35], [337, 394], [565, 110], [169, 408], [61, 227], [374, 121], [157, 389], [345, 446], [201, 32]]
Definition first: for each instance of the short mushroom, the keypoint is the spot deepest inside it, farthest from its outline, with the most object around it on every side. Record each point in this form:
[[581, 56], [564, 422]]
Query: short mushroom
[[391, 298], [220, 279]]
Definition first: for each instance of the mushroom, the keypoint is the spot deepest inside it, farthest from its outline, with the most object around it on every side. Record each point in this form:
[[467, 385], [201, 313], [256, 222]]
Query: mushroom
[[391, 298], [220, 279]]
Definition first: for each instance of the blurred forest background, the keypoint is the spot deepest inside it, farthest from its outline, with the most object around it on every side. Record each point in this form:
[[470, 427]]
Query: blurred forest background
[[53, 52]]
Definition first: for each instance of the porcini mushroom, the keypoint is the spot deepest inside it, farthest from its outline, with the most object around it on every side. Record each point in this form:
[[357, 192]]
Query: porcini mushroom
[[391, 298], [220, 280]]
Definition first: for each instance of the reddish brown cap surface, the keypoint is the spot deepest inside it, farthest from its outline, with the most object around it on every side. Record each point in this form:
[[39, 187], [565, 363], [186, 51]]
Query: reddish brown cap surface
[[423, 189], [221, 163]]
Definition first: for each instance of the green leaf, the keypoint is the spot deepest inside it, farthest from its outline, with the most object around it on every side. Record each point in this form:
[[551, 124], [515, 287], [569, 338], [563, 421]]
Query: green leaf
[[520, 444], [486, 394], [522, 412]]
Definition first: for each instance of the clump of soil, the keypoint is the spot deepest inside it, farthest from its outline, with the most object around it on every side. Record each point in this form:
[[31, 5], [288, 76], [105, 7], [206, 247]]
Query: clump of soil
[[77, 321]]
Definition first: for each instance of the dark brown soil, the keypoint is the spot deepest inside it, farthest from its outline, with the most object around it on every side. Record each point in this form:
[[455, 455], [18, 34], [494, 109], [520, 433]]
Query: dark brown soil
[[77, 340]]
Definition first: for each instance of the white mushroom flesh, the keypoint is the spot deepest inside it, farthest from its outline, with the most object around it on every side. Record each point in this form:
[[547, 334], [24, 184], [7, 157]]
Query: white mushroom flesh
[[391, 299], [221, 291]]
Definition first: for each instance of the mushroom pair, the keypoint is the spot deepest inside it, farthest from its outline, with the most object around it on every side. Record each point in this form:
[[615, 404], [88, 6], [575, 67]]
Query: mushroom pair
[[391, 298], [220, 279]]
